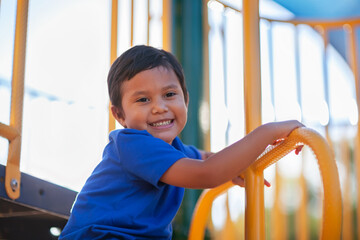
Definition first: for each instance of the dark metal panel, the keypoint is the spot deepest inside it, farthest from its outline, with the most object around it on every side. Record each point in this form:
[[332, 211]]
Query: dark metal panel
[[39, 195]]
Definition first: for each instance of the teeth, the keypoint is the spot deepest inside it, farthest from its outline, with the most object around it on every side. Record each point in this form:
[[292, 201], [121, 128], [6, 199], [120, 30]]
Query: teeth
[[158, 124]]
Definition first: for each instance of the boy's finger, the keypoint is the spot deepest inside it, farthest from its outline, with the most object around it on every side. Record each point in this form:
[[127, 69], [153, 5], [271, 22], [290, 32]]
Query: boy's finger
[[298, 149], [267, 183], [239, 181], [278, 141]]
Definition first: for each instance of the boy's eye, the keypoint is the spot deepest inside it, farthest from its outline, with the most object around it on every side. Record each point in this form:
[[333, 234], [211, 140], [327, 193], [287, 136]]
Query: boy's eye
[[170, 94], [142, 100]]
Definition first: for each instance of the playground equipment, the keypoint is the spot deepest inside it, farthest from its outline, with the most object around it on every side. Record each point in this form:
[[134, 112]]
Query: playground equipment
[[33, 201], [254, 223]]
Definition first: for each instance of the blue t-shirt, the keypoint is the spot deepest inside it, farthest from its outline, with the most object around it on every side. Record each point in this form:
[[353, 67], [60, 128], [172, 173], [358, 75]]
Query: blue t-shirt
[[123, 198]]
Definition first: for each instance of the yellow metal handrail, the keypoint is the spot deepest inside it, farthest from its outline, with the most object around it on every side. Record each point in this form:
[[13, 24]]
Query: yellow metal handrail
[[350, 26], [332, 202], [113, 49], [13, 132]]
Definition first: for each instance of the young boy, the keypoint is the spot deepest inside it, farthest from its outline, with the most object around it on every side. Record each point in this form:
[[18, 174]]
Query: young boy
[[137, 188]]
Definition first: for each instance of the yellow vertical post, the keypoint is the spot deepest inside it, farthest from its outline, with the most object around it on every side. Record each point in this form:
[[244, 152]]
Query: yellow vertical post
[[254, 181], [132, 24], [254, 209], [324, 33], [205, 111], [148, 23], [166, 23], [228, 232], [347, 228], [252, 81], [113, 50], [302, 230], [114, 28], [279, 223], [352, 50], [12, 174]]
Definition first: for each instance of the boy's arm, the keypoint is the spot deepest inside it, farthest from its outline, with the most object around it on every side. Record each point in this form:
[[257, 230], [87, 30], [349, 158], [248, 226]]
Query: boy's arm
[[205, 155], [229, 162]]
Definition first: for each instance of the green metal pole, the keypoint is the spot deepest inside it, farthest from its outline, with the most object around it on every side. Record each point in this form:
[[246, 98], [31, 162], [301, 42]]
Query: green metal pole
[[187, 40]]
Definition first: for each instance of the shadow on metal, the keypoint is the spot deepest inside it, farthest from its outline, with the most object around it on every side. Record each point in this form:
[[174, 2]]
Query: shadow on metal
[[40, 207]]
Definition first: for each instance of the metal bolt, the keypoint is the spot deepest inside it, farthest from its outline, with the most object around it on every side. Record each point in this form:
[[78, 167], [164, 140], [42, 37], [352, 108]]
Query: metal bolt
[[14, 184]]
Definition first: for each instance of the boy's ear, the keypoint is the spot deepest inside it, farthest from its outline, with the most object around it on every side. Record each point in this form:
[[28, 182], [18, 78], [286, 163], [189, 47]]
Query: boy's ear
[[118, 115]]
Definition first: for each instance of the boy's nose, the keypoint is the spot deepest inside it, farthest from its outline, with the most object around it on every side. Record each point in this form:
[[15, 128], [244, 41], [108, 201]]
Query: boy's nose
[[159, 107]]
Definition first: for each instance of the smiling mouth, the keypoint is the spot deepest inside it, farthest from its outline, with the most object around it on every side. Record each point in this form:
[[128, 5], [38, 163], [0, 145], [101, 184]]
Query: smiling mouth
[[162, 123]]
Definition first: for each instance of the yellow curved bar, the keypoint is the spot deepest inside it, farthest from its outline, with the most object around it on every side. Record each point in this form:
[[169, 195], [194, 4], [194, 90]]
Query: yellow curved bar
[[332, 202], [202, 210]]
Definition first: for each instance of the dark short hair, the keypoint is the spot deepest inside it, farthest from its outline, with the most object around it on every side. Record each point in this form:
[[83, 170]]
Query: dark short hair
[[138, 59]]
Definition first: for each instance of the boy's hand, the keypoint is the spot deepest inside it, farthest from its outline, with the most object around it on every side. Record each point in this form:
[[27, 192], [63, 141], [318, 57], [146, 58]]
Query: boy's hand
[[297, 149], [282, 129], [240, 181]]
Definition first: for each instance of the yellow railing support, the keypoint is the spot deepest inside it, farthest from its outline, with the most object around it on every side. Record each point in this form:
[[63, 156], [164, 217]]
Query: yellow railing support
[[202, 210], [332, 200], [132, 24], [302, 229], [166, 22], [347, 233], [252, 94], [354, 63], [148, 23], [252, 79], [204, 109], [113, 50], [254, 209], [13, 132], [279, 221]]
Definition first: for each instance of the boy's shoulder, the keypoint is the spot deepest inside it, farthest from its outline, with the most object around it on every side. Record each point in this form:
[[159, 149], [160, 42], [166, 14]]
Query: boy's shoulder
[[127, 134], [134, 137], [129, 131], [141, 140]]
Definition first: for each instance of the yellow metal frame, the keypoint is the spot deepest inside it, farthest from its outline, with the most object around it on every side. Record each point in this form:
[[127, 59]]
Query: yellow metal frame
[[205, 111], [114, 37], [13, 131], [354, 63], [166, 22], [113, 50], [250, 15], [332, 201], [254, 211], [347, 232]]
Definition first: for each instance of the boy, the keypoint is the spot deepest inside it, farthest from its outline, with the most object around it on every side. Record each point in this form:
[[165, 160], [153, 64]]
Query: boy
[[137, 188]]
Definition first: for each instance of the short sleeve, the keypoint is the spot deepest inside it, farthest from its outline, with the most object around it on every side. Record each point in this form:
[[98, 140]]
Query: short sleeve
[[190, 151], [143, 155]]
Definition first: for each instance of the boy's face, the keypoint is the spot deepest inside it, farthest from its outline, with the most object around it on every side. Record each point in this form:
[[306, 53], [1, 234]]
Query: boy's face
[[153, 100]]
